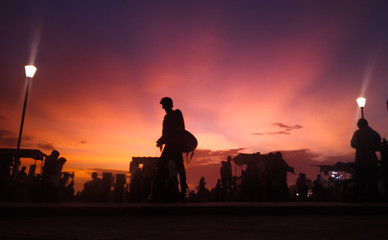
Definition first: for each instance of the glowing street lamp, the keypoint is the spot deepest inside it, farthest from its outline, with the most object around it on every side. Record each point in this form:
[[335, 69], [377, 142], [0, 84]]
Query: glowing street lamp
[[361, 103], [30, 72]]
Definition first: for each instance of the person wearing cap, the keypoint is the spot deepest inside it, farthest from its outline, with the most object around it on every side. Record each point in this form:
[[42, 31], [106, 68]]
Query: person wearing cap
[[173, 130]]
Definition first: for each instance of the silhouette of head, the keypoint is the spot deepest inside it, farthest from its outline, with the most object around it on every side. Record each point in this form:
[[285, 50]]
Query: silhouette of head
[[362, 122], [166, 103], [94, 175], [62, 160], [55, 153]]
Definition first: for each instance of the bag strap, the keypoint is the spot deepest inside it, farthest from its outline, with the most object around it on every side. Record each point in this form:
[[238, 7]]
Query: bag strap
[[188, 160]]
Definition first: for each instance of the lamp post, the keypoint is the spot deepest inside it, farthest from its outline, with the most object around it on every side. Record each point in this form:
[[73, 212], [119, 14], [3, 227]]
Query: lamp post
[[361, 103], [30, 72]]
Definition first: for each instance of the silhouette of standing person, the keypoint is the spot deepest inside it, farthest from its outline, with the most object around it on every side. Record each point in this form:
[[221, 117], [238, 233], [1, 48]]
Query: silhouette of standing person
[[172, 133], [50, 177], [302, 183], [277, 174], [229, 177], [384, 163], [223, 174], [366, 141]]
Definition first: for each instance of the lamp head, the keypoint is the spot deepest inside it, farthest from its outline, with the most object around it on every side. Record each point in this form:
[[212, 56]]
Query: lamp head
[[30, 71], [361, 102]]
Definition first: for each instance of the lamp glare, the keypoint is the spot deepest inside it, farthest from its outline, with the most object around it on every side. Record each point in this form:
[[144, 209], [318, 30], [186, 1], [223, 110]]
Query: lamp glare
[[30, 71], [361, 102]]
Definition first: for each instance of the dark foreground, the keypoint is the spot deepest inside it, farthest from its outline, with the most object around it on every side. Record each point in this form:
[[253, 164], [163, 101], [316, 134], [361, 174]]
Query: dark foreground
[[194, 221]]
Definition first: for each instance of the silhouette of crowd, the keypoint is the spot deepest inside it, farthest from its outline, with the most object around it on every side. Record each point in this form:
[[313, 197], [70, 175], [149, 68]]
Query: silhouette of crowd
[[51, 184], [263, 177]]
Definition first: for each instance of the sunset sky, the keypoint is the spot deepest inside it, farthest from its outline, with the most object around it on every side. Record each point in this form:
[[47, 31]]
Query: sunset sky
[[248, 76]]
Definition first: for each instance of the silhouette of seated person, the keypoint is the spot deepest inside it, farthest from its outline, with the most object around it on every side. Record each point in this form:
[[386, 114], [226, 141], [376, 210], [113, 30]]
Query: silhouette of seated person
[[92, 189], [23, 172]]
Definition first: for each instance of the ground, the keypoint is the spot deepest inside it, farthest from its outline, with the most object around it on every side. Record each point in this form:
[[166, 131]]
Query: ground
[[194, 226]]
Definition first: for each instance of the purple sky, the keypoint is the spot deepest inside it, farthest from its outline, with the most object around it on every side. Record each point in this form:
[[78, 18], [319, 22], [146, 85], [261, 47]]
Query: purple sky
[[249, 76]]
